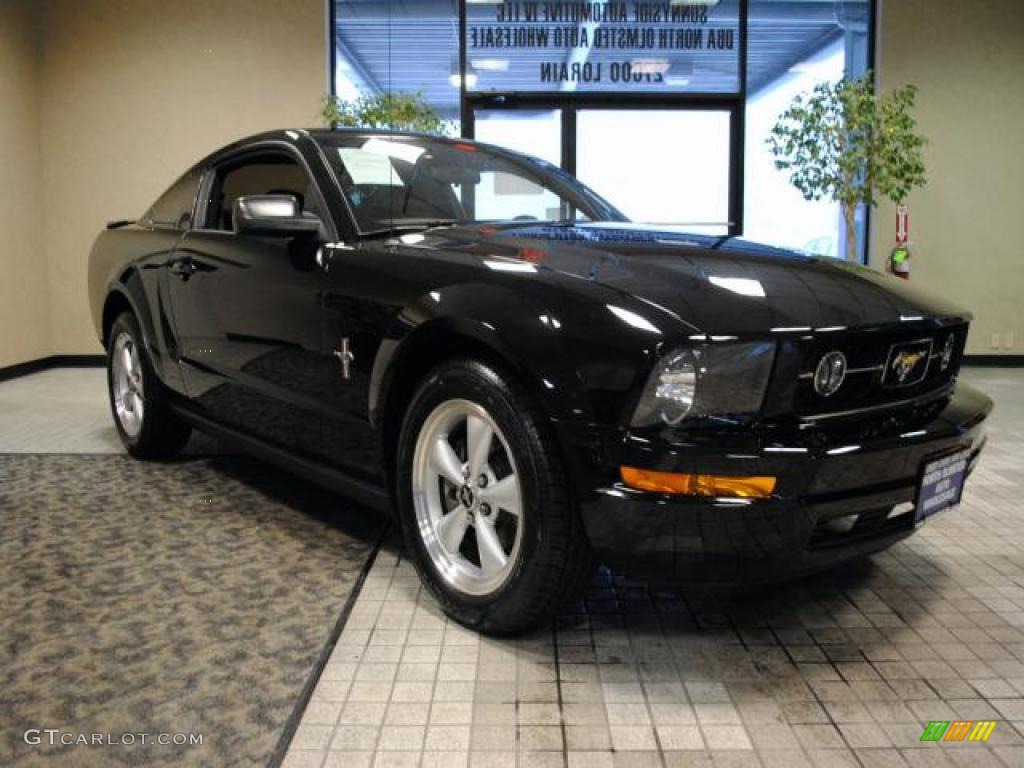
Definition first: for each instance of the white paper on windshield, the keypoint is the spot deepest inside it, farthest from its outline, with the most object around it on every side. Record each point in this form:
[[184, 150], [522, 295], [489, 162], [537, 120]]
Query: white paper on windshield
[[369, 167]]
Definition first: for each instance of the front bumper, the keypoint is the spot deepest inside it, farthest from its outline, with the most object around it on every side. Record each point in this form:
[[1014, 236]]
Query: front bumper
[[845, 490]]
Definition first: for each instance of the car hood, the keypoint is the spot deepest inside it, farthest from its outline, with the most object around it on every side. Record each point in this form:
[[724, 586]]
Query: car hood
[[720, 286]]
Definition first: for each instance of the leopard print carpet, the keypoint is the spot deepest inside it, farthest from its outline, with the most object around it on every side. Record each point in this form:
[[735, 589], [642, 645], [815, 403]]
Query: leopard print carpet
[[194, 597]]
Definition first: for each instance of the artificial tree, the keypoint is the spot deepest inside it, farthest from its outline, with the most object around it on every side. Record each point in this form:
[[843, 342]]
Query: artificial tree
[[396, 111], [845, 143]]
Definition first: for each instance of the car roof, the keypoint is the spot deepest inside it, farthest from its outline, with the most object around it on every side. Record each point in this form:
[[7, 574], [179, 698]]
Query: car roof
[[325, 132], [319, 133], [293, 134]]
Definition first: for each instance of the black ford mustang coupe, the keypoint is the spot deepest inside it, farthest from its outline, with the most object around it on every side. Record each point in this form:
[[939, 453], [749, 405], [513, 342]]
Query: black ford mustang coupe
[[473, 338]]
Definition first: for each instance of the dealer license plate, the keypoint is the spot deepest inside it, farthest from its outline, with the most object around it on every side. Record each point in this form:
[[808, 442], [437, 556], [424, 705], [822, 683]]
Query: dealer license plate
[[942, 484]]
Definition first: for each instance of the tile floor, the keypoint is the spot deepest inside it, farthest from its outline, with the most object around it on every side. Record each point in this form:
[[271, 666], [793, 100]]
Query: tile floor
[[64, 410], [844, 669]]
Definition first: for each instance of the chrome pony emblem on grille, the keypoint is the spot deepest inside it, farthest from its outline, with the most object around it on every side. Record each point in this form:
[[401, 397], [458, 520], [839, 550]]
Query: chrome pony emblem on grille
[[907, 364]]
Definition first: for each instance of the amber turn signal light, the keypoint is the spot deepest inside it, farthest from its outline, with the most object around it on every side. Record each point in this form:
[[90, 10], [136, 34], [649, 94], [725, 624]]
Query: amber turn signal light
[[715, 486]]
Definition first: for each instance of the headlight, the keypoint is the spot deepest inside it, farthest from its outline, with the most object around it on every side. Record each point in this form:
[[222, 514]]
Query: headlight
[[714, 381]]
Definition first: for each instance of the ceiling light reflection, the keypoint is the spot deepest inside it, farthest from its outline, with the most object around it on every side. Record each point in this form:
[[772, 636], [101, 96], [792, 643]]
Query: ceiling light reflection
[[634, 320], [549, 321], [844, 450], [744, 286], [490, 65], [456, 79], [509, 266]]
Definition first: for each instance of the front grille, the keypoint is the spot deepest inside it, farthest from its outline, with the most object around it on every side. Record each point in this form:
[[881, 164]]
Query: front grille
[[868, 353]]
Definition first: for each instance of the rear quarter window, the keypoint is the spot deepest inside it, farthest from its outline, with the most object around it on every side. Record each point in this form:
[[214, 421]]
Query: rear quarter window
[[173, 210]]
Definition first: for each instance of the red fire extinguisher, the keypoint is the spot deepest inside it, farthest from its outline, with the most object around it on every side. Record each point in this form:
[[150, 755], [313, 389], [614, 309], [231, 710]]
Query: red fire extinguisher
[[899, 259]]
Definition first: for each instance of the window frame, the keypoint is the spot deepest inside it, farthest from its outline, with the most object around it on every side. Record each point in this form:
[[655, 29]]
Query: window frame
[[570, 101], [188, 216], [556, 182], [220, 163]]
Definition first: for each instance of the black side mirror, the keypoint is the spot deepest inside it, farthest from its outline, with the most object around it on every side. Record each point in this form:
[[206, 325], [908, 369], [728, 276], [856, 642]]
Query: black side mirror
[[272, 216]]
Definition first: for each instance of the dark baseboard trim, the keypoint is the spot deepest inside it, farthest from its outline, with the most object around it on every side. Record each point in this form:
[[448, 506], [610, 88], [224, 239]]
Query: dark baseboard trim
[[994, 361], [53, 361]]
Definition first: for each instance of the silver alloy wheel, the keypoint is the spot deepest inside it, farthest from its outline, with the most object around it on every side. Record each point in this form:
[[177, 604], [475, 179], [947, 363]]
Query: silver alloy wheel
[[467, 497], [126, 378]]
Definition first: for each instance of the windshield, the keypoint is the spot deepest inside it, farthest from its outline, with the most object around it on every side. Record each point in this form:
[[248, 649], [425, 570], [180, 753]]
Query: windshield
[[405, 182]]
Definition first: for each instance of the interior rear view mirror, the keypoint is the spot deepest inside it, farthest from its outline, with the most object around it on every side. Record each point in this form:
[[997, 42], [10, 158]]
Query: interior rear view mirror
[[272, 215], [455, 175], [446, 171]]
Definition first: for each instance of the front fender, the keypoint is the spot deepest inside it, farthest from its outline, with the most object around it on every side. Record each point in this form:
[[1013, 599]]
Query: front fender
[[583, 349], [572, 349], [526, 340]]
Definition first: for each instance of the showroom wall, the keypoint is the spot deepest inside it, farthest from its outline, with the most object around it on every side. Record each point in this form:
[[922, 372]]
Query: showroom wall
[[130, 92], [968, 60], [24, 317], [109, 99]]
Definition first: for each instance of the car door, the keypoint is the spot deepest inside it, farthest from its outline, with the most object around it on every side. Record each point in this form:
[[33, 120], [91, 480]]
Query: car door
[[247, 308], [364, 291], [166, 221]]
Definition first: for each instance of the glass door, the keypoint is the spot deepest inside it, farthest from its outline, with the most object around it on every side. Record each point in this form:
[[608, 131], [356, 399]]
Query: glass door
[[667, 167], [661, 165], [532, 132]]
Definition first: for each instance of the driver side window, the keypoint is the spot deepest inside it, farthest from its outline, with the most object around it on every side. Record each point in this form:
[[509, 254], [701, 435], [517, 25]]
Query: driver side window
[[266, 174]]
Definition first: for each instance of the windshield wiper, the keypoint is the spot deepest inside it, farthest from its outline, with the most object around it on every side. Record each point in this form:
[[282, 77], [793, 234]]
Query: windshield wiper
[[420, 226]]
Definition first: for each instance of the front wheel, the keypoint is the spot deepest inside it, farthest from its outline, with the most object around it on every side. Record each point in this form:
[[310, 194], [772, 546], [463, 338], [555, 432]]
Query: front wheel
[[484, 502]]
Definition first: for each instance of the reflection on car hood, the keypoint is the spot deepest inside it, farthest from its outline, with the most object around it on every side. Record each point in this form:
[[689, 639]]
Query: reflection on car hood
[[720, 285]]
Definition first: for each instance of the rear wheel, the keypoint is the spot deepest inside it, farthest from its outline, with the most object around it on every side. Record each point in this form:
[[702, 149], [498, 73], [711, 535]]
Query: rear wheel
[[484, 502], [147, 427]]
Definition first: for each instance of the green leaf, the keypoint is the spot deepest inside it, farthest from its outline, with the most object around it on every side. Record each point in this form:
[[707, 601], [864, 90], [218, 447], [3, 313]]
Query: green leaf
[[843, 142], [395, 111]]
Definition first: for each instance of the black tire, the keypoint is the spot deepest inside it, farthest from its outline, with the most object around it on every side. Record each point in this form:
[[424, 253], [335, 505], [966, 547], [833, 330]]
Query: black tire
[[162, 434], [554, 561]]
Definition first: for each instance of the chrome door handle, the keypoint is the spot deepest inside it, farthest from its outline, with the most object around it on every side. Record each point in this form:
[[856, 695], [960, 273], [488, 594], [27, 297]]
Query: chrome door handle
[[326, 251], [183, 268]]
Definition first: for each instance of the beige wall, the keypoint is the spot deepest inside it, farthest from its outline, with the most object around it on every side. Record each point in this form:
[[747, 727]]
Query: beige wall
[[24, 318], [968, 60], [130, 93], [105, 101]]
